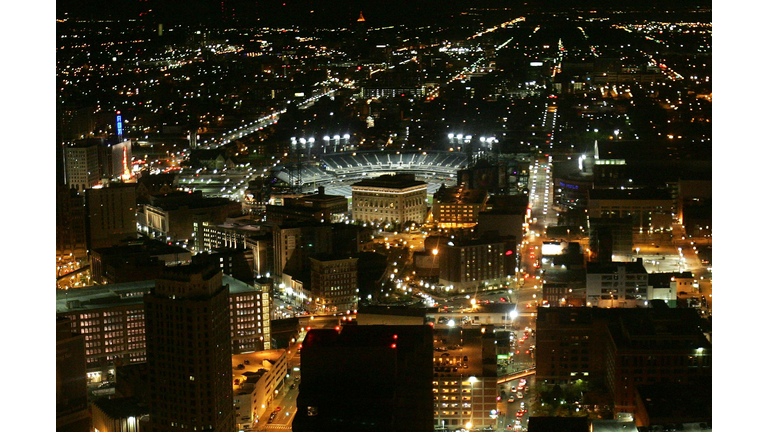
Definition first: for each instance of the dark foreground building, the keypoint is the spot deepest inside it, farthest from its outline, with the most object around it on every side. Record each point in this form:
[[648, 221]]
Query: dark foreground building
[[366, 378], [189, 351]]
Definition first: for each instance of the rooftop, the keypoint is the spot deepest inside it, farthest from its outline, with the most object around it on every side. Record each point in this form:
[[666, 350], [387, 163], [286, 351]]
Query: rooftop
[[629, 194], [128, 293], [394, 181], [122, 407]]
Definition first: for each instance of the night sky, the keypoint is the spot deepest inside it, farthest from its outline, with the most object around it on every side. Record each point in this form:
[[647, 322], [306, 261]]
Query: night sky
[[321, 13]]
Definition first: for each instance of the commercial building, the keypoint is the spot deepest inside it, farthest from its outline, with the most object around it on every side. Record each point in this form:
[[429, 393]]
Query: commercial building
[[619, 349], [617, 284], [319, 207], [125, 414], [258, 377], [483, 263], [71, 238], [398, 198], [189, 351], [112, 321], [334, 283], [458, 207], [610, 239], [81, 165], [137, 261], [71, 393], [465, 381], [651, 210], [111, 214], [240, 234], [372, 378], [171, 217]]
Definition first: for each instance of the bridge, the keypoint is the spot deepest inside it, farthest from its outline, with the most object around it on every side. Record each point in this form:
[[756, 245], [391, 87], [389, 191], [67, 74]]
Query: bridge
[[517, 375]]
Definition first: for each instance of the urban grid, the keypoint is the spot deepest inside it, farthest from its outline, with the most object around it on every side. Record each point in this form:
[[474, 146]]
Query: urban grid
[[314, 216]]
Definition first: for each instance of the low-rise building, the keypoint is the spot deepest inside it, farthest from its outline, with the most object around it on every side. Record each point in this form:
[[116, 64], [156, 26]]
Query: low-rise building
[[619, 349], [118, 415], [171, 217], [617, 284], [257, 378], [319, 207]]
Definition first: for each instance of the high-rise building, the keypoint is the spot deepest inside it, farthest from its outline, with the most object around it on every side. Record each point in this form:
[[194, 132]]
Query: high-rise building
[[71, 241], [71, 393], [366, 378], [295, 243], [189, 351], [111, 215], [81, 165], [485, 262], [334, 283], [111, 318]]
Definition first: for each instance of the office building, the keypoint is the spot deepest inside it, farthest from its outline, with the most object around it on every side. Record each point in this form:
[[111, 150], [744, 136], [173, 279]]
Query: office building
[[112, 321], [458, 207], [619, 349], [617, 284], [334, 283], [111, 214], [610, 239], [477, 264], [81, 165], [71, 393], [651, 210], [319, 207], [396, 198], [71, 238], [171, 217], [294, 243], [189, 351], [366, 378]]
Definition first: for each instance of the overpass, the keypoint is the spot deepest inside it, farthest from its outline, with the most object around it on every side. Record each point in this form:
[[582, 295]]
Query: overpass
[[517, 375]]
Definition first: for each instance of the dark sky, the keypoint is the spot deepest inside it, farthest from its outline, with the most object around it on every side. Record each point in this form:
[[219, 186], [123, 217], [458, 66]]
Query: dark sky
[[321, 13]]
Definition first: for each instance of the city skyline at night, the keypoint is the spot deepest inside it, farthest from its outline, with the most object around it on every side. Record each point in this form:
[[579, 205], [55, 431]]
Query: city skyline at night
[[536, 185]]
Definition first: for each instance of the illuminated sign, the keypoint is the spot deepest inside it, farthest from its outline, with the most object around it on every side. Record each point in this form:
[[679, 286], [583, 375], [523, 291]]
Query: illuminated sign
[[119, 123], [537, 63]]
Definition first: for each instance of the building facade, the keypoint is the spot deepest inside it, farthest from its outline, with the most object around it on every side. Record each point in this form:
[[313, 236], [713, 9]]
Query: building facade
[[111, 214], [617, 284], [477, 263], [334, 283], [81, 165], [112, 322], [458, 207], [187, 321], [396, 198]]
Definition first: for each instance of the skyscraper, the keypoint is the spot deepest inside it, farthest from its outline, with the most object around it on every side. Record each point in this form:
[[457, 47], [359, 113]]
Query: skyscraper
[[189, 351], [366, 378]]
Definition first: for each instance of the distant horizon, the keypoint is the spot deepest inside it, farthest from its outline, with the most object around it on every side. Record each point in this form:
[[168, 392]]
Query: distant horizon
[[322, 14]]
